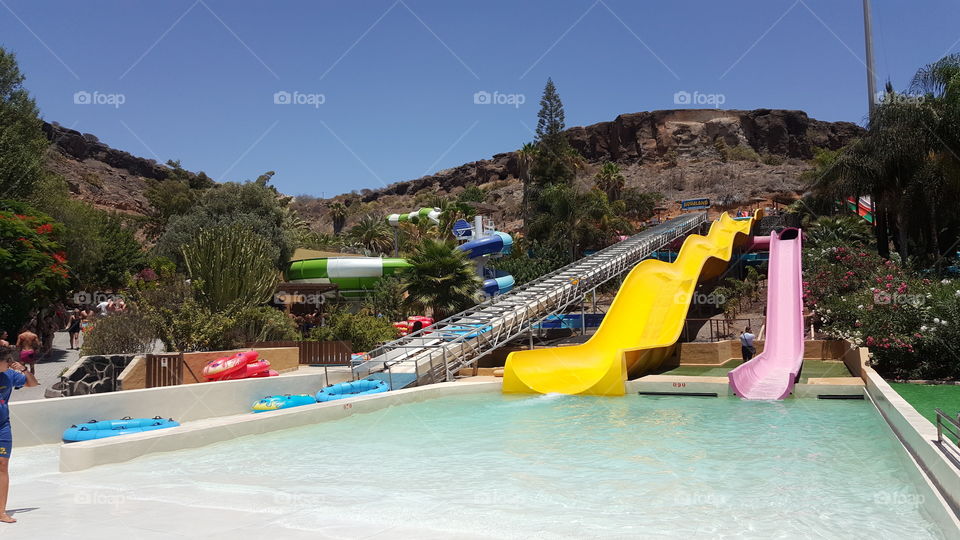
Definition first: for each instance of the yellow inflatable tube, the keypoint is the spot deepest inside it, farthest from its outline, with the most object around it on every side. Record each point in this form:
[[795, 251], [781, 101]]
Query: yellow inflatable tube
[[641, 327]]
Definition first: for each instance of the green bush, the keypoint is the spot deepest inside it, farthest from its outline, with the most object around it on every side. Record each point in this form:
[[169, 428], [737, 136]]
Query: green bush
[[910, 323], [102, 247], [472, 193], [771, 159], [742, 153], [529, 260], [364, 332], [252, 205], [194, 327], [640, 204], [387, 297], [262, 323], [121, 333]]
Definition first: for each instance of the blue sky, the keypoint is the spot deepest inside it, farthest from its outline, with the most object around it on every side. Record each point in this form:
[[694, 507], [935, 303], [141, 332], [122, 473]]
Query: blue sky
[[397, 79]]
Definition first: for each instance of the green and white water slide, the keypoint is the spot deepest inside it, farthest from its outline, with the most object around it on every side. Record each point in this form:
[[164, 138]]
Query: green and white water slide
[[356, 276], [353, 275], [432, 214]]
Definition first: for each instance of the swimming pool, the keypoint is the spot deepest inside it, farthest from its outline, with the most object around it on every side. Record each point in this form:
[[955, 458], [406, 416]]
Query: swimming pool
[[489, 465]]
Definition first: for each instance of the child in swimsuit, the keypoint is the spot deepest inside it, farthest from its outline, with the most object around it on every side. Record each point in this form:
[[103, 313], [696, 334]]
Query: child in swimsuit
[[12, 375]]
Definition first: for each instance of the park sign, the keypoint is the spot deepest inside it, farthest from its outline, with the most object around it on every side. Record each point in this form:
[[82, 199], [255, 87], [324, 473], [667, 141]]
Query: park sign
[[688, 204]]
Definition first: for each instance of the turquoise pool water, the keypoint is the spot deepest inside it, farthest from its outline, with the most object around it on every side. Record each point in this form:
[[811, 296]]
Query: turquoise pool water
[[556, 466]]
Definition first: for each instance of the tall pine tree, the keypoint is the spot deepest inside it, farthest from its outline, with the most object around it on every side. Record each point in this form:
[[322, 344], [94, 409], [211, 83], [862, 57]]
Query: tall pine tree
[[550, 119], [555, 159]]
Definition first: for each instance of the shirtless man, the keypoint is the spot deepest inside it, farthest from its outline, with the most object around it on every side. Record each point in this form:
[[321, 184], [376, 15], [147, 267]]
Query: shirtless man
[[27, 344], [13, 375]]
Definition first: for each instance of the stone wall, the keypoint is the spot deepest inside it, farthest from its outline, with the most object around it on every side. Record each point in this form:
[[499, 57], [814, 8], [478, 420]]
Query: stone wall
[[91, 375]]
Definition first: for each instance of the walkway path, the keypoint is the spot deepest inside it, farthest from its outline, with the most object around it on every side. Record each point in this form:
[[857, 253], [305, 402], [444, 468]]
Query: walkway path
[[49, 368]]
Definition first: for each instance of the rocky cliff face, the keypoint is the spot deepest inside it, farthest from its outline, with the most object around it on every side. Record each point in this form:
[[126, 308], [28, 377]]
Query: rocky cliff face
[[693, 132], [671, 151], [104, 176], [651, 137]]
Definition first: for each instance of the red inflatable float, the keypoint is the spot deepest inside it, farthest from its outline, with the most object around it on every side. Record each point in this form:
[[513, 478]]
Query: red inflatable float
[[243, 365], [412, 324]]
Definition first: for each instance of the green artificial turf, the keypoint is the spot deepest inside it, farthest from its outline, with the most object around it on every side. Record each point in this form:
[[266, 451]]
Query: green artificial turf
[[811, 369], [927, 397]]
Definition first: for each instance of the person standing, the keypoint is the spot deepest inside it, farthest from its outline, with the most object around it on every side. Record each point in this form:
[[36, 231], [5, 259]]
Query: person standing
[[73, 328], [12, 375], [3, 339], [104, 307], [28, 343], [746, 344], [86, 317]]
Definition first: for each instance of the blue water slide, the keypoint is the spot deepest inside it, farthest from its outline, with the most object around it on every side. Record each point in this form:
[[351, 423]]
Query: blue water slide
[[502, 282], [497, 243]]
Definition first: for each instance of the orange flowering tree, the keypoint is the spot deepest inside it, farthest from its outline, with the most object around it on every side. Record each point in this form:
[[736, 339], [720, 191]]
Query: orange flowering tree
[[33, 266]]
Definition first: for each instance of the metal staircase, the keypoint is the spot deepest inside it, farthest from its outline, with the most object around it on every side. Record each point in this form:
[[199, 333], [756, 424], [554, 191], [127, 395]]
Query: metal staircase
[[437, 353]]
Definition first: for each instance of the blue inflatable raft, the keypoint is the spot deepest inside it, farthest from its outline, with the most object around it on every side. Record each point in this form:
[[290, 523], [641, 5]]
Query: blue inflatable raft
[[111, 428], [350, 389], [275, 403]]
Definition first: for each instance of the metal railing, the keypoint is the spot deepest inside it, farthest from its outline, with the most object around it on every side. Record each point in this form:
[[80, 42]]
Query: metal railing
[[949, 424], [438, 352]]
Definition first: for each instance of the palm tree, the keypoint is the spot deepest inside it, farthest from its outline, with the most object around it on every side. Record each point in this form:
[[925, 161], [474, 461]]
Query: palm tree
[[295, 228], [441, 279], [338, 215], [610, 180], [908, 162], [373, 233], [450, 211], [838, 231], [322, 241]]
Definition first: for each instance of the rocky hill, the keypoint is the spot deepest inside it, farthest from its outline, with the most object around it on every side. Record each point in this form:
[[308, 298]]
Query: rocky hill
[[675, 152], [103, 176]]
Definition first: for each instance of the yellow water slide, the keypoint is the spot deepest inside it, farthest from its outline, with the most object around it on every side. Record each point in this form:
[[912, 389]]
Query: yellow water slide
[[641, 327]]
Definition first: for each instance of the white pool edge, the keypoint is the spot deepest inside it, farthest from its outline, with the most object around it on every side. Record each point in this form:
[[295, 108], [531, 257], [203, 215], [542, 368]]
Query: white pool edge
[[84, 455], [918, 438]]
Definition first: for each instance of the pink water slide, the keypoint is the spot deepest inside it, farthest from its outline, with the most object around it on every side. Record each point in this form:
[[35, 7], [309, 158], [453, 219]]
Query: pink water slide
[[772, 374]]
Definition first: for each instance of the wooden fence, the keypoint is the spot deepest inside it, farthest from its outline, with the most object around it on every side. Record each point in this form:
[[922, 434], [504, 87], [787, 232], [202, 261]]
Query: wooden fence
[[165, 369], [321, 353]]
